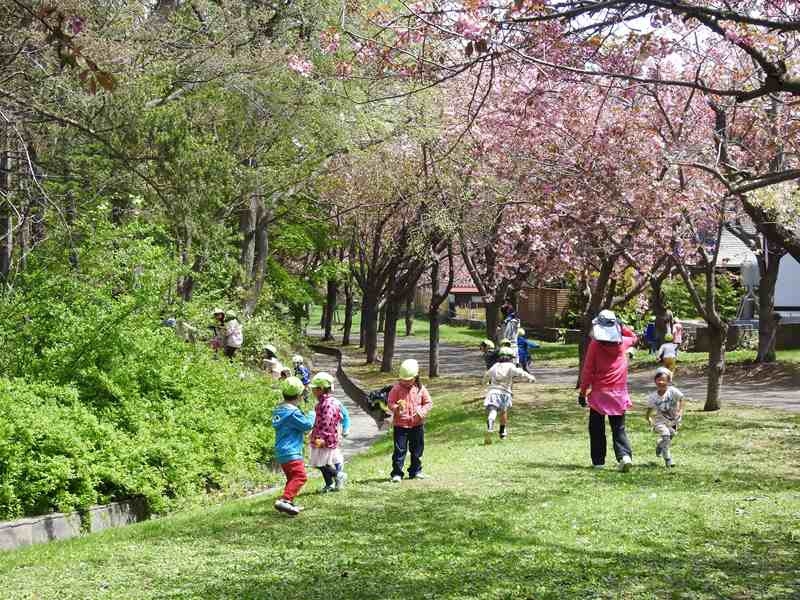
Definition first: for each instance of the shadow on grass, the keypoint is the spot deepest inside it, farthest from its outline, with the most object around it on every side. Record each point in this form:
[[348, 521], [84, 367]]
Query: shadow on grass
[[439, 544]]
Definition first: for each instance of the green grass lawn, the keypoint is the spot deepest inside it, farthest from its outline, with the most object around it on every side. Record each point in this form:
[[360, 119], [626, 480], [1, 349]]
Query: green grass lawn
[[521, 519]]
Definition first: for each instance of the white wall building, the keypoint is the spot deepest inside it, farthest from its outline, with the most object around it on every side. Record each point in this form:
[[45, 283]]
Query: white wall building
[[787, 288]]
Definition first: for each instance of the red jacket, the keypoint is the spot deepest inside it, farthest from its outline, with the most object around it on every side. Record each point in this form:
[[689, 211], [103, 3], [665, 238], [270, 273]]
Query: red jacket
[[416, 407], [605, 366]]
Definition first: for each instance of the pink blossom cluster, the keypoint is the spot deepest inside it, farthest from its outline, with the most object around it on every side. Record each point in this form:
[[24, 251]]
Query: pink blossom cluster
[[300, 65], [329, 41]]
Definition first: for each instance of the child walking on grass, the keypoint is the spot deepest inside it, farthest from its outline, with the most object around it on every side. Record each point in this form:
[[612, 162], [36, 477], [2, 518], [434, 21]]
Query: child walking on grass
[[668, 353], [410, 404], [665, 408], [326, 455], [498, 396], [290, 426]]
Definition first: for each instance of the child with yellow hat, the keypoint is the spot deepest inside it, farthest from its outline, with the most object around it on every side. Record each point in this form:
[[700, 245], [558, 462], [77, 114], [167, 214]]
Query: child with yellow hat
[[410, 404]]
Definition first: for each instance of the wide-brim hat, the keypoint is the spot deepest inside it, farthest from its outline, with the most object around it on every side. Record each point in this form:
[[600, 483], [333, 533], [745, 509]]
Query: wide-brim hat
[[606, 328]]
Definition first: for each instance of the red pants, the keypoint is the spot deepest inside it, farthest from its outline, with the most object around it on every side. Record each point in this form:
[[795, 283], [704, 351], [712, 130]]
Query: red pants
[[295, 478]]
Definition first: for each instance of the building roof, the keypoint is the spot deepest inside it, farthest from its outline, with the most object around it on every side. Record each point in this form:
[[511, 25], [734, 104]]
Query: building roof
[[732, 251]]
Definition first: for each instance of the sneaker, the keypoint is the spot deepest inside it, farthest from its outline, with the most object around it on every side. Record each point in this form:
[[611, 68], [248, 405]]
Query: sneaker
[[286, 506], [328, 488], [487, 438], [625, 464], [668, 462], [341, 479], [598, 467], [396, 479], [503, 432], [419, 475]]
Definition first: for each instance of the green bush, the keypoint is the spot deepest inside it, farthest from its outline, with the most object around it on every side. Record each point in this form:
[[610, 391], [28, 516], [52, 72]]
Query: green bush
[[120, 406], [677, 298]]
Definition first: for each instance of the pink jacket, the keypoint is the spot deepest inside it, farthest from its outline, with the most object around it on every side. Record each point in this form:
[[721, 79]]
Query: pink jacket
[[326, 424], [416, 408], [606, 366]]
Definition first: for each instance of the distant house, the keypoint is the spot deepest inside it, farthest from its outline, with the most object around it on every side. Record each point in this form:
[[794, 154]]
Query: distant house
[[787, 288], [732, 253], [464, 300]]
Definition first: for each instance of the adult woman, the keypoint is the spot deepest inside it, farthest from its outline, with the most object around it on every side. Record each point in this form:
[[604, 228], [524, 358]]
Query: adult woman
[[605, 374]]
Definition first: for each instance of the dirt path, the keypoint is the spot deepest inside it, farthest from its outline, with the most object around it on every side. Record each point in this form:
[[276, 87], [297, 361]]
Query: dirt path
[[773, 387]]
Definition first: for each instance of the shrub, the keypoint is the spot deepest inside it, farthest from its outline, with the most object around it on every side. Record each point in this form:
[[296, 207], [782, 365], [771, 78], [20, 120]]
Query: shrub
[[120, 406]]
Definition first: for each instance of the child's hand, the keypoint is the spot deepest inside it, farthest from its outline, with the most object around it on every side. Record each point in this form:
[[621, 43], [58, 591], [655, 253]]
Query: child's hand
[[401, 404], [319, 442]]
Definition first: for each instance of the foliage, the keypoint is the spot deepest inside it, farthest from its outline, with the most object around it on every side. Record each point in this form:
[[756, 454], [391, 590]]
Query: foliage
[[677, 297], [122, 406]]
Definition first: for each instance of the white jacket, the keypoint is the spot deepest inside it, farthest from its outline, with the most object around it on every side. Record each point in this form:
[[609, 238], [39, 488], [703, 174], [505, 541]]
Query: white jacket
[[501, 376]]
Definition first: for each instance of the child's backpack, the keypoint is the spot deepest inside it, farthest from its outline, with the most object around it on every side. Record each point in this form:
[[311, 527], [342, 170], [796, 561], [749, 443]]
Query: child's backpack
[[376, 399]]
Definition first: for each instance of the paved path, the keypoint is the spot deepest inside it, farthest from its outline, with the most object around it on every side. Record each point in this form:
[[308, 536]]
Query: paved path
[[779, 390], [363, 429]]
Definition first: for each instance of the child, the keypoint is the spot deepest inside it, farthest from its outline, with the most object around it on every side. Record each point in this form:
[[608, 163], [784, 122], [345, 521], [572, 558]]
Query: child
[[667, 404], [290, 424], [524, 346], [410, 404], [510, 326], [270, 363], [218, 328], [489, 353], [233, 336], [498, 396], [650, 336], [302, 373], [325, 452], [300, 370], [668, 353]]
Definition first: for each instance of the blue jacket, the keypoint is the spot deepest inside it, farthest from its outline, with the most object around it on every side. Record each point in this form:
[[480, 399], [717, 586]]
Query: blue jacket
[[523, 346], [345, 416], [303, 374], [290, 424]]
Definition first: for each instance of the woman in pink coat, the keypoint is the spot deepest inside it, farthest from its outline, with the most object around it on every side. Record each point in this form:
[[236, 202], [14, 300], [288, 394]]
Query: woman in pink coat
[[604, 383]]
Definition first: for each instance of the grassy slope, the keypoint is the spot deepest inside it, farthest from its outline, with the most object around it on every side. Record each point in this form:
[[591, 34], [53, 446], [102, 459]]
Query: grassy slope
[[522, 519]]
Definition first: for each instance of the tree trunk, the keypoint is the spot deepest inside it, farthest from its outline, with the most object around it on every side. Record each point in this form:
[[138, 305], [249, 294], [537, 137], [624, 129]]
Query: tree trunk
[[767, 323], [37, 205], [258, 270], [348, 313], [716, 365], [433, 341], [119, 207], [382, 317], [658, 308], [390, 334], [247, 229], [492, 312], [369, 318], [6, 219], [330, 309], [409, 316], [71, 214], [362, 323]]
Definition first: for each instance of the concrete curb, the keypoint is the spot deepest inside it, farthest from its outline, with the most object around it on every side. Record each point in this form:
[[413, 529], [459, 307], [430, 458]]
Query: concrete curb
[[350, 387], [63, 526]]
